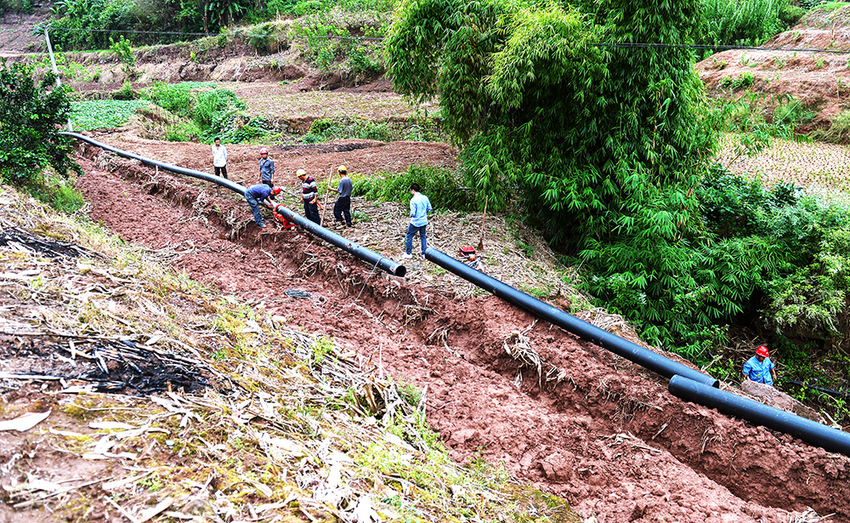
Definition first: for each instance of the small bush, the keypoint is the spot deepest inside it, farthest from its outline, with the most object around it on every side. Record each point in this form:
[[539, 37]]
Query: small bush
[[67, 199], [125, 93], [742, 81], [443, 187], [175, 98], [215, 109], [182, 132], [730, 22], [838, 132], [793, 112]]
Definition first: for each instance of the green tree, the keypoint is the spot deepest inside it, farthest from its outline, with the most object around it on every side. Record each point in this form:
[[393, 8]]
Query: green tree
[[29, 130], [601, 145]]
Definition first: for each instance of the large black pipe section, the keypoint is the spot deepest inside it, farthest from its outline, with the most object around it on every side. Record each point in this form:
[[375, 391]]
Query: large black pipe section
[[622, 347], [224, 182], [809, 431], [367, 255]]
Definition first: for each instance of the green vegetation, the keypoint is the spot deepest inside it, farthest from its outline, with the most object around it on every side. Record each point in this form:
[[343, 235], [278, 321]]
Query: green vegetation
[[121, 49], [613, 168], [748, 22], [207, 112], [103, 114], [838, 131], [30, 143], [792, 111], [742, 81], [419, 129], [444, 187]]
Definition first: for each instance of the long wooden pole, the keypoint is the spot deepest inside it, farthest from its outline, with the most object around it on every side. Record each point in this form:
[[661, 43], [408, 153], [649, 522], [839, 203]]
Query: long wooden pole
[[481, 236], [327, 194]]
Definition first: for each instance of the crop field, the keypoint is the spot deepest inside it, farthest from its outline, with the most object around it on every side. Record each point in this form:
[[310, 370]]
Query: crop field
[[103, 114]]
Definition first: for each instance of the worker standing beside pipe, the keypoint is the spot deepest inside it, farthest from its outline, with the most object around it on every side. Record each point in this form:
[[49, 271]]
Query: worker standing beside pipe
[[342, 207], [420, 206], [219, 153], [759, 368], [310, 196], [260, 193], [266, 168]]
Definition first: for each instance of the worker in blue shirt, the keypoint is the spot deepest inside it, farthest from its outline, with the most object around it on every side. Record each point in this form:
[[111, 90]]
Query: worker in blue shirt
[[257, 195], [420, 206], [759, 368]]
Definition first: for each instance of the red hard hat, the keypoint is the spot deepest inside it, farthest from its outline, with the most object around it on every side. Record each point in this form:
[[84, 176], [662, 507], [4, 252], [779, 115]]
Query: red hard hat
[[264, 151], [276, 190], [762, 351]]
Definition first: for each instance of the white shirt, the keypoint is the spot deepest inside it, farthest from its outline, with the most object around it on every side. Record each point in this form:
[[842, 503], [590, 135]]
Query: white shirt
[[219, 156]]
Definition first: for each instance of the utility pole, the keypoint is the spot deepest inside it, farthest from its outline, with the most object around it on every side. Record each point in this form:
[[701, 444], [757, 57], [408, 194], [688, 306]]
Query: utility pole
[[55, 69]]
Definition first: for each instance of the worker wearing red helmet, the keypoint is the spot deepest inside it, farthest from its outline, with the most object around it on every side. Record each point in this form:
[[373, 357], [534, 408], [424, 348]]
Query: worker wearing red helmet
[[759, 368], [266, 168], [257, 195]]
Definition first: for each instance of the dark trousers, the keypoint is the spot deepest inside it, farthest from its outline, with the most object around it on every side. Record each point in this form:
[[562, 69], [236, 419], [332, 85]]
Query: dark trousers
[[342, 207], [221, 171], [408, 240], [311, 212], [270, 184]]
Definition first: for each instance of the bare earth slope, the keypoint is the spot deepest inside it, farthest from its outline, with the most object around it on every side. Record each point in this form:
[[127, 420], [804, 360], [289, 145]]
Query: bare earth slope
[[819, 81], [606, 435]]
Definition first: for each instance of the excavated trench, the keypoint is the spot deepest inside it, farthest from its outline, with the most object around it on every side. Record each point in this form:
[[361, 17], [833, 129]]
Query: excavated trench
[[588, 426]]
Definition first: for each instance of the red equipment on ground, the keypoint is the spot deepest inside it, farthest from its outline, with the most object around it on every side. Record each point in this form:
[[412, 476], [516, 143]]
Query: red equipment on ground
[[466, 252], [283, 221]]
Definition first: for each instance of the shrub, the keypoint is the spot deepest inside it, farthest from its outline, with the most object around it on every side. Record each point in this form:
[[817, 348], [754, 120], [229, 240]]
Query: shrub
[[443, 187], [67, 199], [215, 110], [182, 132], [793, 112], [838, 131], [175, 98], [33, 114], [733, 22], [125, 93], [742, 81]]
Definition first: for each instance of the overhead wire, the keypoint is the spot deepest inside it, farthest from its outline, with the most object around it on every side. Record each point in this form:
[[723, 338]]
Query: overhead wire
[[619, 45]]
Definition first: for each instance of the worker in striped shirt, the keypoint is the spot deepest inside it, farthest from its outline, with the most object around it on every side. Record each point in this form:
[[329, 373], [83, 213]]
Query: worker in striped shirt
[[309, 195]]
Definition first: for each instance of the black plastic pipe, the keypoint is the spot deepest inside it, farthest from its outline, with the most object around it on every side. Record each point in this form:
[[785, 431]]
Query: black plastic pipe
[[831, 392], [367, 255], [224, 182], [809, 431], [622, 347]]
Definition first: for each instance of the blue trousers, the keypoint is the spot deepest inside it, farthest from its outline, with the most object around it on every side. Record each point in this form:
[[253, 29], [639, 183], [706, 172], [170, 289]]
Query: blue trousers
[[255, 208], [411, 232]]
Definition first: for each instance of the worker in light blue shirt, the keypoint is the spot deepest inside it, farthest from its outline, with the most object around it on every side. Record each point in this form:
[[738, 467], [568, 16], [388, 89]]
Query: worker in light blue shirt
[[759, 368], [420, 206]]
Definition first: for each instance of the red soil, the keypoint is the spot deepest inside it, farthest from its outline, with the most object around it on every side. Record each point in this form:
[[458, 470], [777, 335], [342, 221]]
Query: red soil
[[574, 439]]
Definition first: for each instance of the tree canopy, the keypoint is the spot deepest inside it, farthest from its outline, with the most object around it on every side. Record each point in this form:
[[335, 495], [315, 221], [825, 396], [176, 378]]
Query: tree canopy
[[587, 135], [32, 112]]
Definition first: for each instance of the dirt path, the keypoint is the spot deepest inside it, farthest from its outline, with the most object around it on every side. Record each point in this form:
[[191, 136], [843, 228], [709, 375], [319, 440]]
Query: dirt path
[[606, 436]]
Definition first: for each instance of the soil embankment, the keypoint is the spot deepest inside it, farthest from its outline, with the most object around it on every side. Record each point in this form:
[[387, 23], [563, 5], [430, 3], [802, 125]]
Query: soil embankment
[[597, 430]]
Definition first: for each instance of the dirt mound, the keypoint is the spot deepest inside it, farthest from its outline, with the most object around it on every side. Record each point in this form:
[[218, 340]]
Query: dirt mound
[[819, 81], [16, 32], [593, 428]]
